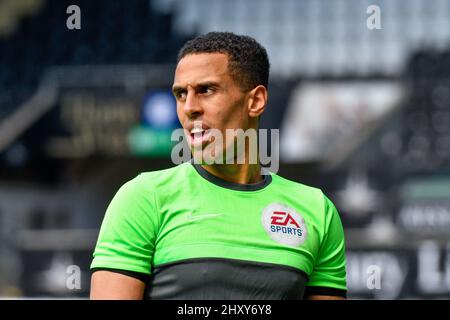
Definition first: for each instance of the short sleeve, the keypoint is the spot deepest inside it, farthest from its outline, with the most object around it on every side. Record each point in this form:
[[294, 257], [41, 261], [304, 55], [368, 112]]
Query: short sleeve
[[329, 273], [128, 231]]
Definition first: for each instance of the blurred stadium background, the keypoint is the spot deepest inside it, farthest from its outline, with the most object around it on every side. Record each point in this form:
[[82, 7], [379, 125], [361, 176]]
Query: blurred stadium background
[[363, 114]]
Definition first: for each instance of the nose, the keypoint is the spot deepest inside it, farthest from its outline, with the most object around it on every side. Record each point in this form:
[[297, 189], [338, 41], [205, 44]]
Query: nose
[[192, 107]]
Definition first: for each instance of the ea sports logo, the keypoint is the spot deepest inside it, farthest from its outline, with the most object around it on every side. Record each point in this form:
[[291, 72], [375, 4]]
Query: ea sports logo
[[283, 218], [284, 224]]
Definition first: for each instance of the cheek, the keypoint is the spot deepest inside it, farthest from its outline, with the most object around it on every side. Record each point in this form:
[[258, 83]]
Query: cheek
[[180, 114], [226, 112], [237, 117]]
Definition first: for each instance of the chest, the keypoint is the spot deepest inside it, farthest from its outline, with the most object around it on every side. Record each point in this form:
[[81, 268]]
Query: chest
[[261, 228]]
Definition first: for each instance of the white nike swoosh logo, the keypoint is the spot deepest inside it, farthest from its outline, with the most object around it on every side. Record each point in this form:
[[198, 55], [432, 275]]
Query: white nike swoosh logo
[[202, 216]]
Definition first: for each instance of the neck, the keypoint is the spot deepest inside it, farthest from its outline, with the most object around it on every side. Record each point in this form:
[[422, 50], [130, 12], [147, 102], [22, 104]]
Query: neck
[[237, 173], [246, 173]]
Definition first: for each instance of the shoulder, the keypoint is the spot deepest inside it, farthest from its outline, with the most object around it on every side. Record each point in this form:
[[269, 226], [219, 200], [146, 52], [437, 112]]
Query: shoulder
[[308, 198], [160, 178], [140, 194], [146, 185], [306, 192]]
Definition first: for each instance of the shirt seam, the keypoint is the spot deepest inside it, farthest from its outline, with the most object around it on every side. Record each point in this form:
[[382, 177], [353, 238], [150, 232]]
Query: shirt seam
[[233, 190], [232, 246]]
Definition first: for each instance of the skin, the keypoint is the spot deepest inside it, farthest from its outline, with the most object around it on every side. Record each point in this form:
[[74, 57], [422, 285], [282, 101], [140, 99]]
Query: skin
[[106, 285], [205, 91]]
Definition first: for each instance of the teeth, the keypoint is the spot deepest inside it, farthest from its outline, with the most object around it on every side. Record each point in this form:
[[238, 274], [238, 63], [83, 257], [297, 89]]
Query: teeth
[[197, 130]]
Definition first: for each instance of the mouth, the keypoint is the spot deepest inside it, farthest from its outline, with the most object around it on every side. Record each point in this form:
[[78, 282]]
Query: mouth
[[198, 136]]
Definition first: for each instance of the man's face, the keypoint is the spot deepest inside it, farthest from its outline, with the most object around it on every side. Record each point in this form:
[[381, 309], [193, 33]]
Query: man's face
[[205, 91]]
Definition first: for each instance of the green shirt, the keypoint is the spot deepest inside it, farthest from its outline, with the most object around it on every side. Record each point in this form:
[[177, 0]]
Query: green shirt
[[175, 222]]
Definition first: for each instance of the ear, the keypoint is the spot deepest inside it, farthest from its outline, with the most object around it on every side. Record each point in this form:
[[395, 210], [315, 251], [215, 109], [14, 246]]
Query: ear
[[257, 101]]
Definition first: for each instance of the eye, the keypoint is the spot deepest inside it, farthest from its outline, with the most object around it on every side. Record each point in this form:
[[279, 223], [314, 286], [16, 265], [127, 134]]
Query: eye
[[180, 95], [206, 90]]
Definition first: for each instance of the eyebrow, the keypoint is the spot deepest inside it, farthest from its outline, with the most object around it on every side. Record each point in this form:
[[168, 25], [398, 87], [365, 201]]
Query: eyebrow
[[177, 89]]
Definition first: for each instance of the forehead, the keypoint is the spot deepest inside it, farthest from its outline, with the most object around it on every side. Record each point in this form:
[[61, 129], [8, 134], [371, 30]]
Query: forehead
[[198, 67]]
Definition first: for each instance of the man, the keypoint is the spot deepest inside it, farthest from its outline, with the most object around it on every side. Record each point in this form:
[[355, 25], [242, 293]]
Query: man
[[219, 231]]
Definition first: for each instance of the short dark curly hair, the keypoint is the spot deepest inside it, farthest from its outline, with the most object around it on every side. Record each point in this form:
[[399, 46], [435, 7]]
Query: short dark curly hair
[[248, 62]]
